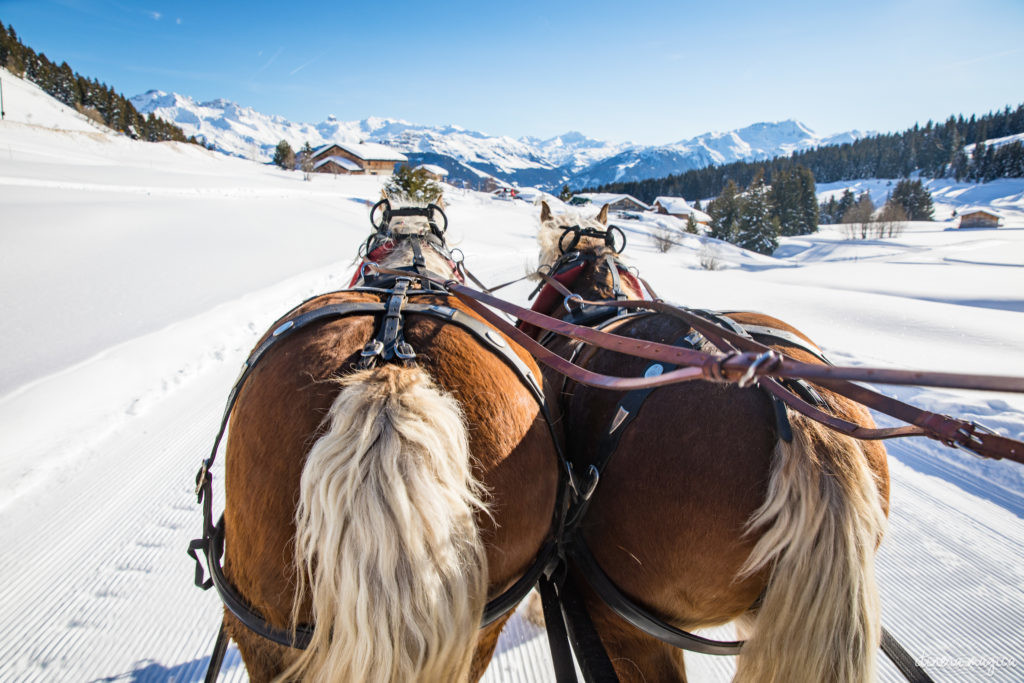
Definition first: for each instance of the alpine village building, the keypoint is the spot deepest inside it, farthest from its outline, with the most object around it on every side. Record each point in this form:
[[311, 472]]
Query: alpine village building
[[365, 158]]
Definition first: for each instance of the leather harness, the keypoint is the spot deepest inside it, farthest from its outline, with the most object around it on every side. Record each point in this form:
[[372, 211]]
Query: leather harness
[[565, 612]]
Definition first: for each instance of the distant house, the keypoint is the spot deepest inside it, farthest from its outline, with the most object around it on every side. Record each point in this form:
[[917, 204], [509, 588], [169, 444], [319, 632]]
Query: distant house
[[338, 165], [615, 202], [980, 218], [433, 171], [369, 158], [677, 206]]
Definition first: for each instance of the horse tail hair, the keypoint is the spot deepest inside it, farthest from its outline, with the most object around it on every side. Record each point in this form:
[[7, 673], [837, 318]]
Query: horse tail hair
[[386, 543], [821, 525]]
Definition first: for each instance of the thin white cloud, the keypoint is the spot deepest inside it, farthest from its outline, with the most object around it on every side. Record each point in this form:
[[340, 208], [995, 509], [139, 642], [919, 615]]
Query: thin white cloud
[[156, 16], [303, 66], [985, 58], [178, 21], [270, 61]]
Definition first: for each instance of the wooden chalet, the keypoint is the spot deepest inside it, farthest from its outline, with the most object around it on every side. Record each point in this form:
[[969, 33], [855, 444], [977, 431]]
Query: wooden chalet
[[365, 158], [433, 171], [980, 218], [677, 206], [615, 202]]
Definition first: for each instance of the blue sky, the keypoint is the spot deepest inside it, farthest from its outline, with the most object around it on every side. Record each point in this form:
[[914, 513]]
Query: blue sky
[[650, 72]]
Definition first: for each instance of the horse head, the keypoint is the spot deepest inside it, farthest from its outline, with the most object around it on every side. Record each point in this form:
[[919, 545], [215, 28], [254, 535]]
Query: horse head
[[584, 255], [407, 235]]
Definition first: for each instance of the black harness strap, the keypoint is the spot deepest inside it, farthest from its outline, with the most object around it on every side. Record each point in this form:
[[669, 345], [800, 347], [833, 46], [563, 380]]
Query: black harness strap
[[211, 545], [902, 659], [217, 656]]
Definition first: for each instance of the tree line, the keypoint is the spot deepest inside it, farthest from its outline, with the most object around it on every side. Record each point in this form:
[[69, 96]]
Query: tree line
[[935, 150], [90, 97], [755, 219]]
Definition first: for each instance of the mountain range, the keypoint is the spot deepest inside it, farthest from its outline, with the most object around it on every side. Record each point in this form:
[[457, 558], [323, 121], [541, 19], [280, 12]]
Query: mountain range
[[571, 158]]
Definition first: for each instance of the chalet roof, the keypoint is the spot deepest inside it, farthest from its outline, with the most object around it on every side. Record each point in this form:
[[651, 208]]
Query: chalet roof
[[367, 151], [602, 198], [432, 168], [346, 164], [677, 206], [673, 204], [967, 211]]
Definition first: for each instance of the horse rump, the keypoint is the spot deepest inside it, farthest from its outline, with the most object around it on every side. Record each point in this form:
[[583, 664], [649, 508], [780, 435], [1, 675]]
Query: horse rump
[[387, 550], [819, 528]]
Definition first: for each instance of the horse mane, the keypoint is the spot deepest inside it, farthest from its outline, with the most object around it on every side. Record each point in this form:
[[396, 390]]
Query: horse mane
[[551, 232], [411, 226]]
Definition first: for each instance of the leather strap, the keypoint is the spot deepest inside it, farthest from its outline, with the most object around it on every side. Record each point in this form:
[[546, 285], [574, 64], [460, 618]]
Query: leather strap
[[639, 617], [211, 545], [217, 656], [906, 664]]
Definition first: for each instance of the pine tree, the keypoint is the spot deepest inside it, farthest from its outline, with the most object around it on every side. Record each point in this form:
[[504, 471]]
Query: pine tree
[[413, 186], [565, 194], [915, 199], [758, 229], [807, 200], [724, 211], [306, 161], [846, 202], [284, 156], [691, 224]]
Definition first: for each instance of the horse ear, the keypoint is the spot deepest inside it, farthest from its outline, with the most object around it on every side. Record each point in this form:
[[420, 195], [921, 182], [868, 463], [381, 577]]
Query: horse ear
[[545, 212], [602, 215]]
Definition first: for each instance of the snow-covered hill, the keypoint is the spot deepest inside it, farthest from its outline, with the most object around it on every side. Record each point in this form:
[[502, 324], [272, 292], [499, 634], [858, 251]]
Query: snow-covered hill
[[569, 158], [137, 276]]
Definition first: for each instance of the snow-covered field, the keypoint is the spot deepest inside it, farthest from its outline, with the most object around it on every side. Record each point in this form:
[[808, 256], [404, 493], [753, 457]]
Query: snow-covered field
[[136, 277]]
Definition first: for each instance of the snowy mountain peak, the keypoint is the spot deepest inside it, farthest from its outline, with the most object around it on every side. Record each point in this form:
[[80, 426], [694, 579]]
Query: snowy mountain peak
[[571, 157]]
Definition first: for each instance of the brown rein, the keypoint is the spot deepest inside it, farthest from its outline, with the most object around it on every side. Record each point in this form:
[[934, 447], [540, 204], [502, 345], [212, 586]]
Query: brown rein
[[749, 362]]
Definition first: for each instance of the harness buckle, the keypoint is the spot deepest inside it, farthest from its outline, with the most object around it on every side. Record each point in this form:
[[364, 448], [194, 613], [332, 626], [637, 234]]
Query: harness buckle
[[404, 351], [374, 347], [202, 477]]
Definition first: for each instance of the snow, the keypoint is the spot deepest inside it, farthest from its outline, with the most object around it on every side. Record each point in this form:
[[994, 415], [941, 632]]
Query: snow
[[571, 157], [137, 277], [432, 168]]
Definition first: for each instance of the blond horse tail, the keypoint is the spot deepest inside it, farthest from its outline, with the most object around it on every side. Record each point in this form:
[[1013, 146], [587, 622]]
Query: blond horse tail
[[821, 524], [386, 545]]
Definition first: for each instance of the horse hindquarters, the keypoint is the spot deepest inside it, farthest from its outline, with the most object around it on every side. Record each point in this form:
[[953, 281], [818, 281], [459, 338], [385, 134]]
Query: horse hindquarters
[[385, 535], [820, 526]]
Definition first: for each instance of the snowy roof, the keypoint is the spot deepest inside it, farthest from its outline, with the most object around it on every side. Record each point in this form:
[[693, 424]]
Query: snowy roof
[[677, 206], [967, 210], [602, 198], [431, 168], [674, 204], [367, 151], [346, 164]]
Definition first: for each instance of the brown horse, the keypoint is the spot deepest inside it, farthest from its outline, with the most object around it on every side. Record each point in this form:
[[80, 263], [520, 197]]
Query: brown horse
[[384, 503], [703, 514]]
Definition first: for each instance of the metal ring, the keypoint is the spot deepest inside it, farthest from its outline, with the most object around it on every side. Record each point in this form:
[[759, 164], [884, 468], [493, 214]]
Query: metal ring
[[461, 259], [750, 376], [572, 297], [367, 267]]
